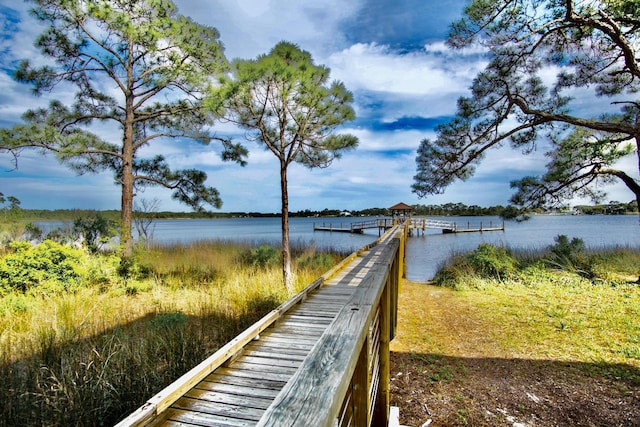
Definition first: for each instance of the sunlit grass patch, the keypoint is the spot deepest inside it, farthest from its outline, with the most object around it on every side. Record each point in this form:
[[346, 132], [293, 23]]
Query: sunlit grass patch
[[570, 305]]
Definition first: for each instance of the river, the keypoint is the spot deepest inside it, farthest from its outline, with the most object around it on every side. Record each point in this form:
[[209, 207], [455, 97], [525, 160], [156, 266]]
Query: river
[[424, 252]]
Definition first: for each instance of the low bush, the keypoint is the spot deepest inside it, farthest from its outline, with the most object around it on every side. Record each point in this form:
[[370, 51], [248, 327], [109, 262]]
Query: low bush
[[48, 263], [492, 261], [95, 231], [262, 256], [51, 267], [487, 261], [571, 255]]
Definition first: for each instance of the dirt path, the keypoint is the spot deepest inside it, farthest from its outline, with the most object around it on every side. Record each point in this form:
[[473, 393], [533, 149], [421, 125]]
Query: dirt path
[[447, 370]]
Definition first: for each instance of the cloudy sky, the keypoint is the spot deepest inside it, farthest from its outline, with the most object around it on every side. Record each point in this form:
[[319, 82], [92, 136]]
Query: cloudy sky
[[390, 54]]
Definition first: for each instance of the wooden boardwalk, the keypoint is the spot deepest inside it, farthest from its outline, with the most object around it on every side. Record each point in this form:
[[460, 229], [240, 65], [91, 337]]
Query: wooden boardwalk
[[418, 224], [448, 227], [239, 384], [381, 224]]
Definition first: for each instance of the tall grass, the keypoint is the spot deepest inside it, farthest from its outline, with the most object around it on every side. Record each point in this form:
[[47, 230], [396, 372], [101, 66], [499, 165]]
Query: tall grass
[[91, 356]]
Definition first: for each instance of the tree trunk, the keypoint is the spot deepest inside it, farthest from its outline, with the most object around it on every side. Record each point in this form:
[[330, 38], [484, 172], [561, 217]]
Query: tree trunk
[[286, 254], [126, 239], [126, 207]]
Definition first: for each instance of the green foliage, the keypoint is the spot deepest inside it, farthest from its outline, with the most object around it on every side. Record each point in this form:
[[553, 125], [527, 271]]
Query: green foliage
[[455, 273], [9, 206], [262, 256], [491, 261], [593, 49], [320, 261], [304, 131], [95, 231], [568, 254], [51, 267], [32, 231], [487, 261], [13, 303], [48, 264], [566, 263], [63, 235], [131, 268]]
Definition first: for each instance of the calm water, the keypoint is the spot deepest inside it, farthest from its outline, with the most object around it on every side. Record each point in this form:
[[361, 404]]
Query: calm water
[[424, 253]]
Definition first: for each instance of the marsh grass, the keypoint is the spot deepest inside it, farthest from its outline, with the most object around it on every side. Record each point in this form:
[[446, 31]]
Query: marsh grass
[[583, 309], [91, 356]]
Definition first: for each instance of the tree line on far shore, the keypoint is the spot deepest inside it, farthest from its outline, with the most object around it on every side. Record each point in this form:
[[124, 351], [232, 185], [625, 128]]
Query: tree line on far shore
[[446, 209]]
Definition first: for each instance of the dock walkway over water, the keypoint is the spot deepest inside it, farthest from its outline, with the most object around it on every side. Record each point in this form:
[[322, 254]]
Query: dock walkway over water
[[383, 224], [320, 359]]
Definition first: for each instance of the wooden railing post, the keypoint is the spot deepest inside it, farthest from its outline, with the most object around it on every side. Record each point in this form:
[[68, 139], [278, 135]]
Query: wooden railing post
[[383, 398], [360, 387]]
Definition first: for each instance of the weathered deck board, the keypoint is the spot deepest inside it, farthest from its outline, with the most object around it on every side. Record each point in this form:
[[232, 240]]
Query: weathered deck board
[[238, 390], [183, 418]]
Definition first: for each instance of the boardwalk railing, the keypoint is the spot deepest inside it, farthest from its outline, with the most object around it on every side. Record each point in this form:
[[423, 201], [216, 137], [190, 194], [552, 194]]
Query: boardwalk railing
[[357, 227], [384, 223], [452, 227], [422, 223], [343, 377]]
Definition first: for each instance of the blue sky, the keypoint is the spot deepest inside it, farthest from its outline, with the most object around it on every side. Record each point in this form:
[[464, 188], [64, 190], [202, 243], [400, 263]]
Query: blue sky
[[390, 54]]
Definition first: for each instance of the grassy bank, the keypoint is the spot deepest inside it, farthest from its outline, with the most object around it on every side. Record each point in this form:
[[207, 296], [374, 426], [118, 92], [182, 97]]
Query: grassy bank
[[89, 349], [522, 338]]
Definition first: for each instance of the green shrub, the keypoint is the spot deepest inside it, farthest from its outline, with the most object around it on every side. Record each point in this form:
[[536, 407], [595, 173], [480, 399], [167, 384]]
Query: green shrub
[[492, 262], [32, 231], [131, 268], [316, 261], [487, 261], [566, 252], [95, 231], [571, 256], [262, 256], [47, 264], [454, 273], [14, 303]]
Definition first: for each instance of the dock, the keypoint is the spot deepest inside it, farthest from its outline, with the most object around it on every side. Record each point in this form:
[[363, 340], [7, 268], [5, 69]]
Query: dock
[[419, 224], [449, 227], [320, 359], [382, 224]]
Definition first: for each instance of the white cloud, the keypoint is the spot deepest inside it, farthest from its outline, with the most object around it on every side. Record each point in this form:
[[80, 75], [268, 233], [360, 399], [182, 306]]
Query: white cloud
[[387, 141], [441, 47], [388, 84], [375, 67], [252, 27]]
